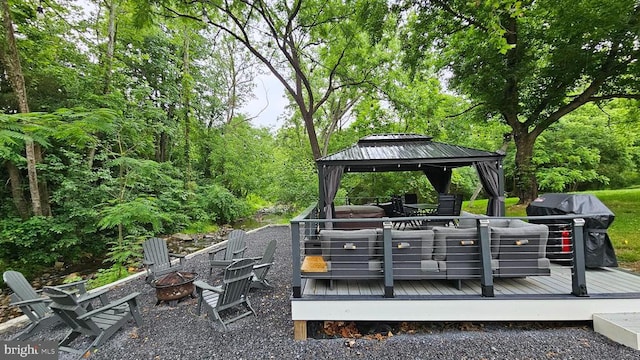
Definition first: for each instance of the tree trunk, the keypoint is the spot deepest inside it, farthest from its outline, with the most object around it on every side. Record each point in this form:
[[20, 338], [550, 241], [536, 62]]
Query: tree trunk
[[526, 185], [45, 204], [233, 87], [16, 190], [111, 44], [90, 157], [313, 138], [186, 96], [161, 149], [14, 73]]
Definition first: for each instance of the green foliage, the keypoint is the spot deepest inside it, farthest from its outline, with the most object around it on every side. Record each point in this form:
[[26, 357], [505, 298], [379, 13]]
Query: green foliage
[[132, 214], [530, 62], [219, 205], [294, 180], [140, 143], [40, 241], [125, 251], [570, 158], [107, 276], [241, 158]]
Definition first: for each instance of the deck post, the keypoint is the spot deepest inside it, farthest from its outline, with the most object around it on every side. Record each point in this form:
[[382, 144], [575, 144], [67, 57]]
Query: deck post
[[578, 276], [295, 258], [387, 259], [486, 280], [299, 330]]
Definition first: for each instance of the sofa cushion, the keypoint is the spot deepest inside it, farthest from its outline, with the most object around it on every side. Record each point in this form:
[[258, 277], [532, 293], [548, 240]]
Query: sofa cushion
[[364, 237], [500, 222], [443, 234], [422, 237], [517, 223], [533, 234], [469, 220]]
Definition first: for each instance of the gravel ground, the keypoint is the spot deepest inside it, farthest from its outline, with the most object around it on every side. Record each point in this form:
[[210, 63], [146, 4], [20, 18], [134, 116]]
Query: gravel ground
[[177, 333]]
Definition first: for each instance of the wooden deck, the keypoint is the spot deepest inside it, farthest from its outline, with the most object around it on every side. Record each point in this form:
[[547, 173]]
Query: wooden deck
[[536, 298], [606, 281]]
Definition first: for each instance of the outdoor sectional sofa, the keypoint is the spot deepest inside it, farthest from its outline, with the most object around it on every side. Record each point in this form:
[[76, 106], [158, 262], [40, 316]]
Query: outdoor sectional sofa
[[442, 252]]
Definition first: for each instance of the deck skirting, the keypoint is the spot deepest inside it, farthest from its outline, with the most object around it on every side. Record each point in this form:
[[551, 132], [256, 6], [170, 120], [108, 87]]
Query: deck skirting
[[473, 309]]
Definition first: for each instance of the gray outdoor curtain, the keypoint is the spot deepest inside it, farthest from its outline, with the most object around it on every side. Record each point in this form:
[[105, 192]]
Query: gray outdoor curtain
[[439, 177], [331, 183], [490, 178]]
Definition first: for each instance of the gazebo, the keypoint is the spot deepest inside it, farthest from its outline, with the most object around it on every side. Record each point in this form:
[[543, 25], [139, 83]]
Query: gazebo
[[411, 152]]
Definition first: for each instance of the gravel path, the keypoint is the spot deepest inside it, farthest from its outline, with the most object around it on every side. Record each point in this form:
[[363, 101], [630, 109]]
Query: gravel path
[[177, 333]]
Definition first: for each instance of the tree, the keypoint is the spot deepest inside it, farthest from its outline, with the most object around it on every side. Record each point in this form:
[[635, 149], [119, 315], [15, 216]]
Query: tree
[[531, 62], [296, 40], [11, 60]]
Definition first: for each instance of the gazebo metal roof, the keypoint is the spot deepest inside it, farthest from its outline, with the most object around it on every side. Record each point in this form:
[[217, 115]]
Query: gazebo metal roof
[[412, 152], [404, 152]]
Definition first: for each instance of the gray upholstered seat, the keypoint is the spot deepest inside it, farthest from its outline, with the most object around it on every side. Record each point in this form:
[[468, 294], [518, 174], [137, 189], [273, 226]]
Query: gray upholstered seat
[[521, 248], [412, 253], [351, 254]]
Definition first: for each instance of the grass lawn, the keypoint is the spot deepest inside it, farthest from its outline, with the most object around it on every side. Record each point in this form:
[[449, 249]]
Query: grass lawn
[[624, 232]]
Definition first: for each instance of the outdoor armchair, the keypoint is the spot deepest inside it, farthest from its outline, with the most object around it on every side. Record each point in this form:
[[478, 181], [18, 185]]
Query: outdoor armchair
[[157, 259], [99, 324], [231, 294], [36, 307], [224, 256], [262, 266]]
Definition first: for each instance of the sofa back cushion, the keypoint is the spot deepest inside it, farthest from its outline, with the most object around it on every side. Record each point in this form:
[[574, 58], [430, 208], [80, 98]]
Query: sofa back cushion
[[336, 239], [518, 223], [469, 220], [422, 237], [499, 222], [527, 234], [445, 234]]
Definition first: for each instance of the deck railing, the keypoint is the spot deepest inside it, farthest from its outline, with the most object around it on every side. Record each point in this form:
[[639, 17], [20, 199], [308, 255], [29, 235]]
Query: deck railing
[[376, 254]]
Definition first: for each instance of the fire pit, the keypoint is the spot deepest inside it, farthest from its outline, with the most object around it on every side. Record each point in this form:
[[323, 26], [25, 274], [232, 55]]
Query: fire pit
[[174, 287]]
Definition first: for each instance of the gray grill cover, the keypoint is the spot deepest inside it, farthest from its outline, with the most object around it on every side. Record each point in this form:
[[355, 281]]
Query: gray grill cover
[[598, 249]]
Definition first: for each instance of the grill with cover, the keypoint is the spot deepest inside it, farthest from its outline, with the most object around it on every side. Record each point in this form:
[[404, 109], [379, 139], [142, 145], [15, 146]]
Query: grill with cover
[[598, 249]]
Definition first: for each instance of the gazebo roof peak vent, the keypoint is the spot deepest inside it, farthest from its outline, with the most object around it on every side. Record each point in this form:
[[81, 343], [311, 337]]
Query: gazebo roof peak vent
[[387, 138]]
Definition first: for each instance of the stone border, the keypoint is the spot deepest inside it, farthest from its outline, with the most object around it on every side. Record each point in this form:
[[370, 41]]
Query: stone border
[[22, 320]]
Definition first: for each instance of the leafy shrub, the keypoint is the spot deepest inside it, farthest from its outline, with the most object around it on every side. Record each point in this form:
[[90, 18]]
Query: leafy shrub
[[108, 275], [26, 245], [220, 205]]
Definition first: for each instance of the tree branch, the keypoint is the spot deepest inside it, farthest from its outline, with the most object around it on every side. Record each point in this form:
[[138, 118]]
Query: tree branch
[[465, 111], [614, 96], [446, 6], [607, 67]]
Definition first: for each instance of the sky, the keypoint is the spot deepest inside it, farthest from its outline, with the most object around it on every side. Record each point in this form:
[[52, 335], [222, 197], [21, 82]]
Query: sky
[[269, 102]]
